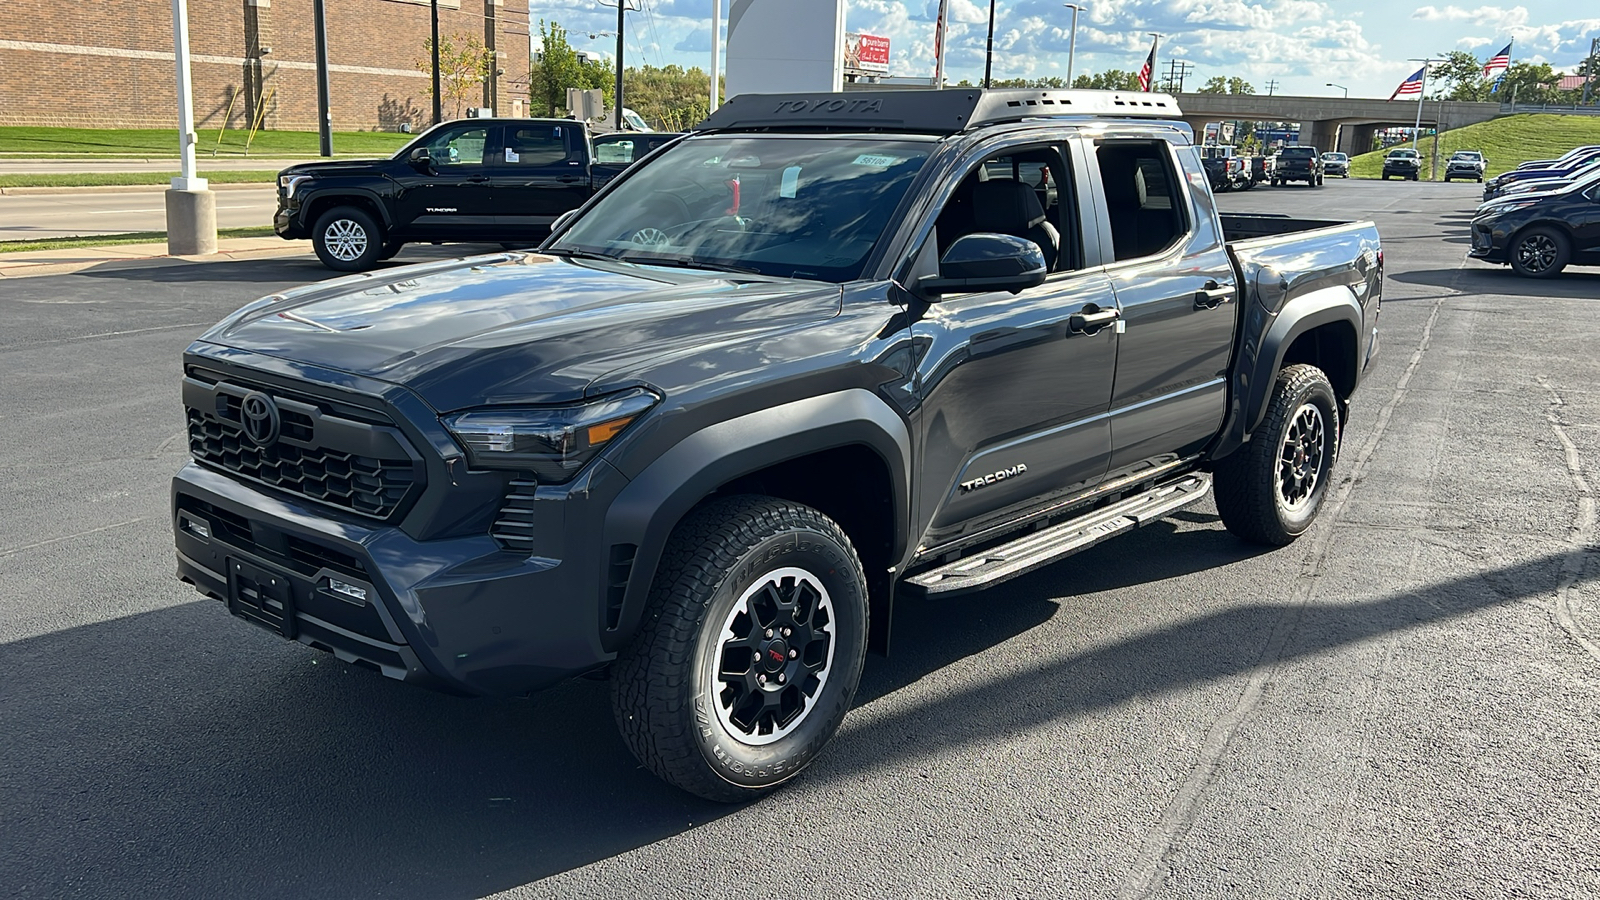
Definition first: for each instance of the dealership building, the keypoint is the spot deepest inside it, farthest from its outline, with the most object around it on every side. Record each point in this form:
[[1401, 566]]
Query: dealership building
[[110, 63]]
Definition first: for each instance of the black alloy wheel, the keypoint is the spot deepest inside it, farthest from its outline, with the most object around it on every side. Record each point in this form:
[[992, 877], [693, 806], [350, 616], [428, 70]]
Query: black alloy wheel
[[750, 649], [1270, 490], [1540, 252]]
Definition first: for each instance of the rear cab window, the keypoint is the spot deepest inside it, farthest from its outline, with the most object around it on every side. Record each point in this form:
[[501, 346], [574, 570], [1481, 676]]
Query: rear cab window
[[1144, 200]]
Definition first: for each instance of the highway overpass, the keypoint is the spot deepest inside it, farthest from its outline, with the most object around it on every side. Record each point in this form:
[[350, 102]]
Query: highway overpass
[[1331, 123]]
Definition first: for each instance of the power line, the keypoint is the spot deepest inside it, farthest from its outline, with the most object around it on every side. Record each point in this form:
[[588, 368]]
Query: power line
[[1271, 86]]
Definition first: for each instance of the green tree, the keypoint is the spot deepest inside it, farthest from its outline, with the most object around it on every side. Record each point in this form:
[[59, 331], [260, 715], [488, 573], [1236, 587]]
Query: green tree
[[1530, 83], [1459, 77], [556, 67], [1224, 85], [464, 63], [1109, 80]]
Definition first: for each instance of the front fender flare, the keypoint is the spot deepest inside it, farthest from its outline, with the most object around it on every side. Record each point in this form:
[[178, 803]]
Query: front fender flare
[[315, 196], [645, 513]]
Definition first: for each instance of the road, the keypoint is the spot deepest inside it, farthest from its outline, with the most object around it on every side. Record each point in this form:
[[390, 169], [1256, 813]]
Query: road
[[1402, 704], [30, 216]]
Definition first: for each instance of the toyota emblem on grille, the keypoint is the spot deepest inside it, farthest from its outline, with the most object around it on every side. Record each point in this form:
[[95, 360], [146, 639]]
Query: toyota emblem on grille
[[259, 417]]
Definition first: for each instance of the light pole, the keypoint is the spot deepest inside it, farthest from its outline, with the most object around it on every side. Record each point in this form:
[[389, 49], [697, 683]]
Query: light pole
[[1072, 40], [1422, 92], [438, 101], [716, 53], [1340, 87], [191, 206]]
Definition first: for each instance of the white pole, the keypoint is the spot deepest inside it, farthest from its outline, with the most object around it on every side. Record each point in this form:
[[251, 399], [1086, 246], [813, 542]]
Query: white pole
[[716, 53], [1072, 42], [187, 179], [1418, 127], [940, 27]]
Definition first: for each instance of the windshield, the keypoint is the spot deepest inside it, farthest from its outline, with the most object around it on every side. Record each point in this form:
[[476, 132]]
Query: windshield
[[1468, 155], [1335, 157], [790, 207], [1403, 153]]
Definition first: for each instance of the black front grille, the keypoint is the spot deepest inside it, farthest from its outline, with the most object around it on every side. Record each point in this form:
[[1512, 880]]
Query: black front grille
[[322, 451]]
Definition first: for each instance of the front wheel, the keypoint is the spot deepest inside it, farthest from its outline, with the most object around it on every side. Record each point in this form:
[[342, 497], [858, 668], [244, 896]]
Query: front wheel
[[750, 649], [347, 239], [1269, 490], [1540, 253]]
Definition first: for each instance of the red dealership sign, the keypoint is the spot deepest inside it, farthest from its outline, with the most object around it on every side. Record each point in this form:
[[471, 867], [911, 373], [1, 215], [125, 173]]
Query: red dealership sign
[[866, 54]]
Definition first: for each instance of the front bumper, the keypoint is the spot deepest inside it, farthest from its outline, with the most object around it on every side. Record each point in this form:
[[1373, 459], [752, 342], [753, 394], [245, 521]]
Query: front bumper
[[1462, 172], [1489, 242], [287, 223], [458, 614]]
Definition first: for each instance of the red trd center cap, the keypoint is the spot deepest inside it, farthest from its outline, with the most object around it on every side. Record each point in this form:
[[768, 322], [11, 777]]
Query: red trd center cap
[[774, 655]]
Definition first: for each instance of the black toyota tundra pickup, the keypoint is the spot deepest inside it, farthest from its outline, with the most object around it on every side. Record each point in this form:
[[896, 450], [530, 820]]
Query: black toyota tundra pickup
[[826, 356], [494, 180]]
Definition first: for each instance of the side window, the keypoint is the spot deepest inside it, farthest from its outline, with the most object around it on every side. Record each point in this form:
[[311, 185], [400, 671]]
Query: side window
[[459, 147], [536, 145], [614, 152], [1143, 200], [1017, 193]]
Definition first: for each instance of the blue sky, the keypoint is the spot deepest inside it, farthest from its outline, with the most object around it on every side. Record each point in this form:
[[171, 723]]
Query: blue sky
[[1301, 44]]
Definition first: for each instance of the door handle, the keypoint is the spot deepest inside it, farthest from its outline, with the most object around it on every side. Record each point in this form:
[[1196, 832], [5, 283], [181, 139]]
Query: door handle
[[570, 179], [1091, 319], [478, 179], [1212, 296]]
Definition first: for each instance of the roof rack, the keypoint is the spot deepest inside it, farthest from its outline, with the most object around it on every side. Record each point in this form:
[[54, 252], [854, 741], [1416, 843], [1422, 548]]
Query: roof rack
[[949, 111]]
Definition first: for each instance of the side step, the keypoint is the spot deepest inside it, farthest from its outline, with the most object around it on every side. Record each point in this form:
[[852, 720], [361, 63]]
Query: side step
[[990, 567]]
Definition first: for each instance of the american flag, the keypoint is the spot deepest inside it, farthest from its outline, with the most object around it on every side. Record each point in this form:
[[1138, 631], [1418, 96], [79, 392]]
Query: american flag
[[1411, 87], [1149, 67], [1498, 63]]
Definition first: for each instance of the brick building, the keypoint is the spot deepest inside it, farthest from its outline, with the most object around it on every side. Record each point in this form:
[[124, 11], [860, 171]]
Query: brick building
[[108, 63]]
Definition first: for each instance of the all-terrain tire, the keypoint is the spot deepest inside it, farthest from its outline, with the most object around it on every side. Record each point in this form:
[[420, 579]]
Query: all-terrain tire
[[1262, 489], [347, 239], [718, 602], [1540, 252]]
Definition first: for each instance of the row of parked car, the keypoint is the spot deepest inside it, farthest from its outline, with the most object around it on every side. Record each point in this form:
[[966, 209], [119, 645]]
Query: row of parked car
[[1542, 216]]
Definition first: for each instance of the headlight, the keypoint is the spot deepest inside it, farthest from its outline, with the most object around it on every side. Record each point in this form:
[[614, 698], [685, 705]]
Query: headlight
[[552, 442], [287, 183], [1496, 209]]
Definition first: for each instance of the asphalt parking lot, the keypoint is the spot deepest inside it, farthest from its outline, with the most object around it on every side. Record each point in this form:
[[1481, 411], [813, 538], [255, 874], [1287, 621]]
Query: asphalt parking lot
[[1404, 703]]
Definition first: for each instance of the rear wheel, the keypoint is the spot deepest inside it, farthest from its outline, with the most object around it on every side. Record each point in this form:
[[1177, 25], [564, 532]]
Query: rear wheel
[[749, 652], [1540, 253], [347, 239], [1270, 490]]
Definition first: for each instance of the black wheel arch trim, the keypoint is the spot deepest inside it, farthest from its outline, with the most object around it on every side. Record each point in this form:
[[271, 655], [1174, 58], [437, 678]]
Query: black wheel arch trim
[[317, 197], [645, 512], [1258, 366]]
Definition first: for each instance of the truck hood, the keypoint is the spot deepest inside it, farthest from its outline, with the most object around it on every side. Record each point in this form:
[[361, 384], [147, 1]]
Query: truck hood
[[334, 167], [515, 328]]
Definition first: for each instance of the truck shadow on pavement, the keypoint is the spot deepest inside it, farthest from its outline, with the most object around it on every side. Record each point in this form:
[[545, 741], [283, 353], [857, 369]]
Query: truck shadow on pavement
[[294, 270], [178, 753]]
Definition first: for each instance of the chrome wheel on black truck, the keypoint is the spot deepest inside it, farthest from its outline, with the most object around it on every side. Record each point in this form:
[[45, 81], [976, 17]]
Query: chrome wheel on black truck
[[1270, 490], [750, 651]]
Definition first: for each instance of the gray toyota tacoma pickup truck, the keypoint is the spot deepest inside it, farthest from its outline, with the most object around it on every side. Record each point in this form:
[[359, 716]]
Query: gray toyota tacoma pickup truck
[[827, 355]]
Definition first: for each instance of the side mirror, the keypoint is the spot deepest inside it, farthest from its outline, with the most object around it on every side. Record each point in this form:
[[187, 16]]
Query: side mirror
[[420, 158], [987, 262], [562, 220]]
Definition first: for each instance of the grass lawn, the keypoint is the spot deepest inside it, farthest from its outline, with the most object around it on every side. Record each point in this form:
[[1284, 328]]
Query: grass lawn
[[95, 179], [112, 240], [143, 142], [1506, 142]]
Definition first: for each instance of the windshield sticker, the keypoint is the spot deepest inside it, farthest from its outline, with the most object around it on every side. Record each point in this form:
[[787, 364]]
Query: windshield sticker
[[512, 156], [881, 162], [790, 183]]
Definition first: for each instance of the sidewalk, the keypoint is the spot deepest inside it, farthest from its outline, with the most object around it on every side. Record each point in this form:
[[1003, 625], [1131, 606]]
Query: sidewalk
[[30, 263]]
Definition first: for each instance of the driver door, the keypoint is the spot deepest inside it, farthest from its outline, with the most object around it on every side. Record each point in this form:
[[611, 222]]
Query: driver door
[[449, 198], [1007, 383]]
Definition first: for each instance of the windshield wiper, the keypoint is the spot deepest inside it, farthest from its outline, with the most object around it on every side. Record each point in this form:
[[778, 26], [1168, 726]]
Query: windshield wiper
[[581, 254], [690, 262]]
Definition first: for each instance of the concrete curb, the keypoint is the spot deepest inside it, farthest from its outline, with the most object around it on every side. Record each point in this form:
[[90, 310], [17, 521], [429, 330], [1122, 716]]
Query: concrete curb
[[128, 188], [140, 256]]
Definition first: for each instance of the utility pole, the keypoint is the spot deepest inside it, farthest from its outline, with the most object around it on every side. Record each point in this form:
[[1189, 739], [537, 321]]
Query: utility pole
[[1072, 40], [1588, 78], [988, 53], [1271, 86], [319, 15], [438, 101], [616, 114], [1177, 73]]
